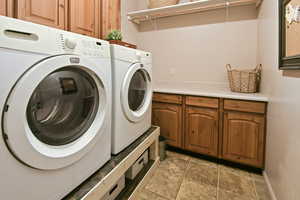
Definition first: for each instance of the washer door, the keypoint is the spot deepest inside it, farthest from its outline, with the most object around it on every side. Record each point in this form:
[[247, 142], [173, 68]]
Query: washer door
[[136, 93], [55, 112]]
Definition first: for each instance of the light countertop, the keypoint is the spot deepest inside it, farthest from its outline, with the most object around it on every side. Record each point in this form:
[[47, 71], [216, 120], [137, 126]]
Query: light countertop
[[197, 89]]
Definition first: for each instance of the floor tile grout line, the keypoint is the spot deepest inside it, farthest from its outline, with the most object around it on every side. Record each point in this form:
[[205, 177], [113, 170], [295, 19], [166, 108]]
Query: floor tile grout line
[[158, 195], [184, 174]]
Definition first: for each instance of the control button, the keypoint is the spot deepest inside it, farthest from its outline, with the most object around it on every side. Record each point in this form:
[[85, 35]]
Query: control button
[[70, 43]]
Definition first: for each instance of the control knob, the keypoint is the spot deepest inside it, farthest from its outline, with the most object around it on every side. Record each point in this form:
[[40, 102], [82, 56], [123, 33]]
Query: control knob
[[70, 43]]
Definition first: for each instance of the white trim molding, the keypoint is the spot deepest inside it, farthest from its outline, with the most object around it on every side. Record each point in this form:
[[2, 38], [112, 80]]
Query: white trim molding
[[270, 188]]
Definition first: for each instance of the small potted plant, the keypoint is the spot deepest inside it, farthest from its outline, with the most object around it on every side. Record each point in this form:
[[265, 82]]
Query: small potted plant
[[115, 37]]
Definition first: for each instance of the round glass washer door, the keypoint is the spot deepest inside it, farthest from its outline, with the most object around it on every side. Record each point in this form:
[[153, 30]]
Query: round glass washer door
[[136, 92], [63, 106], [56, 112]]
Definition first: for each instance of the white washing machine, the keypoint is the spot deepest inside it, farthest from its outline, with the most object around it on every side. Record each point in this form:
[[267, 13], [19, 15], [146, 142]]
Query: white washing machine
[[55, 105], [132, 95]]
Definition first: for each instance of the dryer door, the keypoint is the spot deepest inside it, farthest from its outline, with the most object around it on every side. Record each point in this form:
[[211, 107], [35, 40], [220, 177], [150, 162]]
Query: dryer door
[[136, 93], [56, 112]]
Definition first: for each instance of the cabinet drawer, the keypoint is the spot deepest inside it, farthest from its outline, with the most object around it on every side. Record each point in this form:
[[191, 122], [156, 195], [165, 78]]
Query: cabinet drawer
[[202, 101], [167, 98], [246, 106]]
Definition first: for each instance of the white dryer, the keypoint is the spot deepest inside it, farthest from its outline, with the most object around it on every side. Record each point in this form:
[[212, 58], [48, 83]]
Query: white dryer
[[132, 95], [55, 105]]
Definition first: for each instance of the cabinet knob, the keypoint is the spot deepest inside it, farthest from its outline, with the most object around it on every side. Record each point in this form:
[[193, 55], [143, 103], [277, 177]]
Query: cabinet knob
[[62, 5]]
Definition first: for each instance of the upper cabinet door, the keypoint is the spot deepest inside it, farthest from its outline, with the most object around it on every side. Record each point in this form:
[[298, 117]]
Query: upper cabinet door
[[111, 16], [47, 12], [6, 7], [3, 9], [85, 17]]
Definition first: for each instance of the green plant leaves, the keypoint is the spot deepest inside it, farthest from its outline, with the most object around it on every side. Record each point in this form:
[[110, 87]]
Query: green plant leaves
[[114, 35]]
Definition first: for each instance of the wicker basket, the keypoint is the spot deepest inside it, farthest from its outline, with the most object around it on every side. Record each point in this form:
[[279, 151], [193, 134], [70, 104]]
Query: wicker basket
[[161, 3], [244, 81]]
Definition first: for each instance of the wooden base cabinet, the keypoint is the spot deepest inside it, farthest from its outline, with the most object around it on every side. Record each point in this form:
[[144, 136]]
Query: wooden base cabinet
[[201, 130], [243, 138], [232, 130], [169, 118]]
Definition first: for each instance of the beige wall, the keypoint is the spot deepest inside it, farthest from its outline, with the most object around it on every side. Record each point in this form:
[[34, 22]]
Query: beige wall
[[129, 30], [196, 47], [283, 139]]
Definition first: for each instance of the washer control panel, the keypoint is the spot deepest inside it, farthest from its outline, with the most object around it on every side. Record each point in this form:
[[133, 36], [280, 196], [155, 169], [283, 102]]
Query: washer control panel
[[70, 43], [21, 35], [83, 45]]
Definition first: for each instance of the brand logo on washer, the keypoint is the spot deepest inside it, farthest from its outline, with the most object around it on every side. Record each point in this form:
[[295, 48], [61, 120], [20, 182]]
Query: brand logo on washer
[[75, 60]]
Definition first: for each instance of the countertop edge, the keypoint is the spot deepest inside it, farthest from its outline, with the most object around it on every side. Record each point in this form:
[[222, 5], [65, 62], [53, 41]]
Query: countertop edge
[[238, 96]]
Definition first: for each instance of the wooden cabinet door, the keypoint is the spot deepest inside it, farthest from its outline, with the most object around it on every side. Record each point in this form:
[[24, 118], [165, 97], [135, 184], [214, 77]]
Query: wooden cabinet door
[[201, 130], [243, 138], [111, 16], [3, 8], [169, 118], [85, 17], [47, 12], [6, 7]]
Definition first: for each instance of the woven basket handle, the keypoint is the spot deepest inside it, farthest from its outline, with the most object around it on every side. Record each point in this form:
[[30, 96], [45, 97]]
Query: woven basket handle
[[258, 68], [228, 67]]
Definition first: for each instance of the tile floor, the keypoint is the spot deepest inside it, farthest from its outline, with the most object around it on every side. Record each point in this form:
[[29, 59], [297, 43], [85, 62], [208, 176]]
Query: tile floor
[[181, 177]]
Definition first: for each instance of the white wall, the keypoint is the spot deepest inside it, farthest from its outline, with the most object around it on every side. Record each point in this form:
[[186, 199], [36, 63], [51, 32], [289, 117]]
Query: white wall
[[196, 47], [283, 135]]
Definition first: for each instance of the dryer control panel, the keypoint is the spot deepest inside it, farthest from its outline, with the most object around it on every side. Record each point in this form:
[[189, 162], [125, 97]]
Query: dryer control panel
[[131, 55]]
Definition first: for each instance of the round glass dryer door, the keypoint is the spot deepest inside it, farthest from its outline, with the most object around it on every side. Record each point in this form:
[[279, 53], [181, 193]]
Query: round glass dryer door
[[137, 92], [63, 106], [56, 112]]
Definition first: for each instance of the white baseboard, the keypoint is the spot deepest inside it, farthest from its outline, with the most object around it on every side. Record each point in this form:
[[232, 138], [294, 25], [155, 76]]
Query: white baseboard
[[273, 196]]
